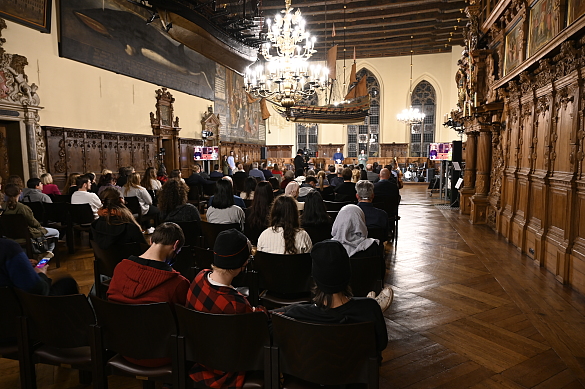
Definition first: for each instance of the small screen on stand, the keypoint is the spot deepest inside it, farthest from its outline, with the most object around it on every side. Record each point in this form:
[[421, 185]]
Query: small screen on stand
[[206, 153], [440, 151]]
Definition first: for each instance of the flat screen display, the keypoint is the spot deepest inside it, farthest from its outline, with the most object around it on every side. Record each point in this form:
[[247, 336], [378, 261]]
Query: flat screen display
[[206, 153], [440, 151]]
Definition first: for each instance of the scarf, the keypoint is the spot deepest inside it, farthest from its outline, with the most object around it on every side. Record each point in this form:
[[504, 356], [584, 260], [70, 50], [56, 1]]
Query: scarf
[[350, 230]]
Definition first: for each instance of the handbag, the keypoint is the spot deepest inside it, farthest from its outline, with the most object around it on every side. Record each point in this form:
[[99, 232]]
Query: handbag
[[40, 245]]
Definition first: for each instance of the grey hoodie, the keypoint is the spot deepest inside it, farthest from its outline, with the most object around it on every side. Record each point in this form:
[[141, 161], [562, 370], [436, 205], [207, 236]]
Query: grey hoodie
[[32, 195]]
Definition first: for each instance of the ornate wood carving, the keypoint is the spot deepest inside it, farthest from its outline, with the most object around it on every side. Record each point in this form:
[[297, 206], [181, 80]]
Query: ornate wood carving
[[166, 127]]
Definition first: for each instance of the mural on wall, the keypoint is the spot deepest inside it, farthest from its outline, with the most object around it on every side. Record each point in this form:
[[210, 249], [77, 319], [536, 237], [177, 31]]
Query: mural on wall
[[241, 120], [113, 35], [513, 48], [576, 9], [542, 25]]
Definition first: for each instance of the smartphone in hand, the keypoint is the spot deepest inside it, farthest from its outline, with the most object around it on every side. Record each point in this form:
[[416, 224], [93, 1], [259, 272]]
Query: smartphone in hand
[[43, 262]]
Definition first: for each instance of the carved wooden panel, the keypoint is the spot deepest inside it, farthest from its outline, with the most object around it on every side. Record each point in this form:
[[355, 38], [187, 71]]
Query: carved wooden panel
[[186, 154], [80, 151], [563, 132], [391, 150], [245, 153]]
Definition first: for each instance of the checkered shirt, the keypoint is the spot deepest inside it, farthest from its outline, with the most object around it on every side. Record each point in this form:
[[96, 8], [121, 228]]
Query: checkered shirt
[[205, 297]]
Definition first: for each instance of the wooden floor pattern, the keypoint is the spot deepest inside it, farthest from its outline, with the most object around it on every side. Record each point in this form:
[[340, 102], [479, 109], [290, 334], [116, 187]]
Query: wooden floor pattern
[[469, 311]]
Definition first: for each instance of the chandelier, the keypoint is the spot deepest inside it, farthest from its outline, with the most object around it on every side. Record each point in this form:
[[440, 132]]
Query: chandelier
[[286, 77], [411, 115]]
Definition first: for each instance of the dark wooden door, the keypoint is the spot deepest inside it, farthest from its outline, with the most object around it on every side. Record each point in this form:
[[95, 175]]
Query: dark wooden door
[[10, 156]]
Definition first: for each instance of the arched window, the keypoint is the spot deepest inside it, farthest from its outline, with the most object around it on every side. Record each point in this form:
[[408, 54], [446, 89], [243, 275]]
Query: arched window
[[307, 135], [423, 134], [366, 136]]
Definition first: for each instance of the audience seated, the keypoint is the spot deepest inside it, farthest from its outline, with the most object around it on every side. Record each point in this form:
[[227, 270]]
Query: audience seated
[[288, 177], [115, 224], [276, 170], [176, 173], [149, 181], [34, 192], [255, 172], [332, 174], [315, 213], [13, 207], [322, 181], [349, 228], [173, 205], [17, 271], [249, 188], [211, 291], [375, 218], [333, 302], [275, 186], [257, 214], [217, 172], [284, 234], [48, 187], [107, 181], [267, 172], [371, 175], [196, 178], [237, 199], [356, 175], [133, 189], [93, 187], [307, 187], [222, 209], [71, 184], [338, 179], [345, 191], [125, 172], [292, 190], [83, 196], [386, 186], [161, 174]]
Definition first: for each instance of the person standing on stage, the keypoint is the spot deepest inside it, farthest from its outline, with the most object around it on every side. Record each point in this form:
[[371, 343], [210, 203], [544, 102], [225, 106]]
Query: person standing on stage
[[362, 158], [300, 163], [231, 162]]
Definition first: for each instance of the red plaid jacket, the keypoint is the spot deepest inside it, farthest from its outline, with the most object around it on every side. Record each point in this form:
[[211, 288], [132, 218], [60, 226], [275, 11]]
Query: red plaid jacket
[[205, 297]]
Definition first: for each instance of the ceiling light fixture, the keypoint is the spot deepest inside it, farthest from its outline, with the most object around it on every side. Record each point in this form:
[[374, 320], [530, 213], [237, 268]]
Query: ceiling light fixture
[[411, 115]]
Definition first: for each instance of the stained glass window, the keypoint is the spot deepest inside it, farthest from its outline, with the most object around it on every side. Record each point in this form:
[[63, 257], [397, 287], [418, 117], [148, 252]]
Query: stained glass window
[[421, 135], [365, 136]]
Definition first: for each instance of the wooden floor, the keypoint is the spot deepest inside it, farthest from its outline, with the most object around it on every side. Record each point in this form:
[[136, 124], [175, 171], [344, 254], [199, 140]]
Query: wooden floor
[[470, 311]]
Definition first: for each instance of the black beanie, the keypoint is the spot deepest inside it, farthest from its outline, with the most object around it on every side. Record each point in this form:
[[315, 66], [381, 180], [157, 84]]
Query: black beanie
[[331, 266], [231, 249]]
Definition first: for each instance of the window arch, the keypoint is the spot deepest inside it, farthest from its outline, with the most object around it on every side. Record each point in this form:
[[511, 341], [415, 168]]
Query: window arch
[[366, 136], [423, 134]]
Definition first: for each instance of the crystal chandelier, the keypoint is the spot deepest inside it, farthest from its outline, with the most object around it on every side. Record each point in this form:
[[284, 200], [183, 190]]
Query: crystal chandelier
[[411, 115], [287, 77]]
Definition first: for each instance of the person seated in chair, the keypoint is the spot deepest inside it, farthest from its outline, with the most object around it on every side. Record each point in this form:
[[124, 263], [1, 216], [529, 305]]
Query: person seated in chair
[[34, 192], [333, 302], [150, 278], [375, 218], [173, 205], [349, 228], [211, 291], [115, 224], [346, 190], [17, 271], [83, 196], [217, 172]]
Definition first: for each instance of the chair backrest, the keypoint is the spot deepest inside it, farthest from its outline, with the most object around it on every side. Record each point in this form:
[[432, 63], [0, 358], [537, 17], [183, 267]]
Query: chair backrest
[[333, 214], [141, 331], [185, 264], [211, 230], [133, 205], [15, 227], [58, 321], [318, 233], [192, 231], [38, 210], [209, 189], [194, 194], [326, 354], [336, 205], [253, 233], [285, 274], [328, 193], [11, 310], [388, 204], [243, 344], [239, 178], [57, 212], [81, 213], [62, 198], [378, 233], [248, 203], [366, 275], [203, 257], [108, 259]]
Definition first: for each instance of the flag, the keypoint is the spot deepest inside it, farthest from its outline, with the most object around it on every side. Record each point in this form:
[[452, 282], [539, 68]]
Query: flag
[[264, 109], [358, 91], [333, 31], [352, 76], [332, 62], [250, 98]]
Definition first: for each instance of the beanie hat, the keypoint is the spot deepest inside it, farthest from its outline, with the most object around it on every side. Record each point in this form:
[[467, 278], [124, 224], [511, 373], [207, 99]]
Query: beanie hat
[[231, 249], [331, 266]]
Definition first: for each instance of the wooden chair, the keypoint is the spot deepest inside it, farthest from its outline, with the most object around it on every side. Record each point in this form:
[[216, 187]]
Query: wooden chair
[[62, 198], [378, 233], [58, 217], [192, 231], [9, 322], [61, 324], [310, 355], [15, 227], [390, 205], [284, 279], [185, 263], [121, 329], [81, 218], [367, 274], [211, 230], [194, 196], [248, 203], [318, 233], [38, 210], [133, 205], [105, 262], [243, 346], [336, 205], [252, 233]]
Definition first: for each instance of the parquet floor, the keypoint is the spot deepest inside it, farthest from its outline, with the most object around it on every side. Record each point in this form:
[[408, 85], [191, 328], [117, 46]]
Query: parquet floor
[[469, 312]]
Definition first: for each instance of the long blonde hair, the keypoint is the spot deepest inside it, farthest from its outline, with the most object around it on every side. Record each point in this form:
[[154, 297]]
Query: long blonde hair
[[132, 182], [355, 175], [46, 178], [321, 177], [71, 181]]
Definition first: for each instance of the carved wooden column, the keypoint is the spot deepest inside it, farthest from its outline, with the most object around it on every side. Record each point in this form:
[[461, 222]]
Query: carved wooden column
[[479, 201], [468, 189]]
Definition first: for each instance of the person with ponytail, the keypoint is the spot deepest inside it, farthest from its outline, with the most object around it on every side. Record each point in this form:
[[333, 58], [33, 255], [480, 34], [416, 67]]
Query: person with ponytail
[[115, 224]]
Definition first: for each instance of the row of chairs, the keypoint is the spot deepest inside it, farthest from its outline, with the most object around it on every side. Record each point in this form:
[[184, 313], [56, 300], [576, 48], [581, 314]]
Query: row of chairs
[[65, 331]]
